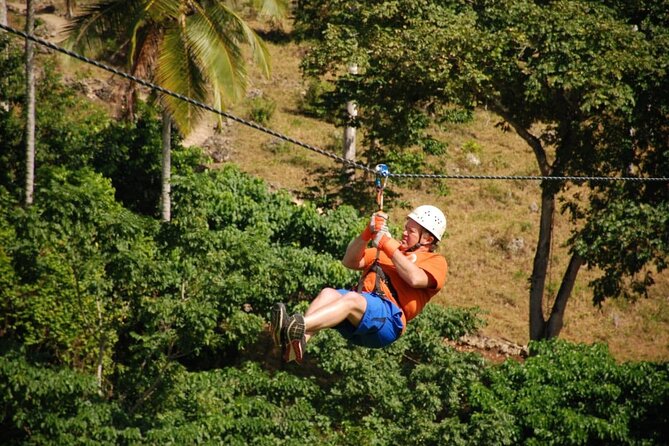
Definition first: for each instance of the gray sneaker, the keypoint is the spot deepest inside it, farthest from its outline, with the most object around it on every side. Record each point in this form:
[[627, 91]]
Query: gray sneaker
[[295, 338], [278, 326]]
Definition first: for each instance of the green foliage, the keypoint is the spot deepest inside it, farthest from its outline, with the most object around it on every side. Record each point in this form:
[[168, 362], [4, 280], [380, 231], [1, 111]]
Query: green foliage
[[434, 147], [185, 303], [65, 255], [240, 406], [42, 404], [405, 161], [67, 126], [616, 224], [453, 114], [261, 109], [231, 250], [130, 153], [405, 51], [574, 394], [12, 80], [374, 392], [312, 102]]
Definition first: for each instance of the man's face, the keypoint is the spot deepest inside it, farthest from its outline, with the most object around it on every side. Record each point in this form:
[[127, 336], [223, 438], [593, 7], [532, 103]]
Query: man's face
[[412, 234]]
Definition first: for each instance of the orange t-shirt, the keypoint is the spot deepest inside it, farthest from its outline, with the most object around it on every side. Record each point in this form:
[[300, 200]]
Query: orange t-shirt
[[411, 300]]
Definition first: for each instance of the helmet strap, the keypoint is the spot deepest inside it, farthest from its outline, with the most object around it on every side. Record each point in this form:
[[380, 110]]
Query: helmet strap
[[432, 245], [414, 247]]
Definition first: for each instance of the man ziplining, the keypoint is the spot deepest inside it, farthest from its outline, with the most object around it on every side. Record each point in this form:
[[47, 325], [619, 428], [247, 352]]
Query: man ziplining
[[399, 278]]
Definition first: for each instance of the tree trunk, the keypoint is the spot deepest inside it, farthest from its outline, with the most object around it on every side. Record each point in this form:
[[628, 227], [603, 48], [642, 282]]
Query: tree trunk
[[540, 266], [101, 347], [350, 132], [30, 104], [69, 5], [165, 200], [555, 321], [541, 328], [3, 12], [3, 21]]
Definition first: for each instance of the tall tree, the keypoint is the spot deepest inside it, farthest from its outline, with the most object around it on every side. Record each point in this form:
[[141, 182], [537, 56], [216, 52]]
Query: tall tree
[[3, 21], [612, 237], [165, 196], [3, 12], [191, 47], [564, 75], [30, 105]]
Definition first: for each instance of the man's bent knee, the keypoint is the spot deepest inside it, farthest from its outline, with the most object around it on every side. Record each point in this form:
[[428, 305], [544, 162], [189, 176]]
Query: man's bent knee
[[357, 305]]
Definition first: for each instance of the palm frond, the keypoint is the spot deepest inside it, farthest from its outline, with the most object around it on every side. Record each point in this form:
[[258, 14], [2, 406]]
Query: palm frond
[[190, 45], [232, 25], [276, 9], [160, 11], [178, 71], [100, 23], [220, 56]]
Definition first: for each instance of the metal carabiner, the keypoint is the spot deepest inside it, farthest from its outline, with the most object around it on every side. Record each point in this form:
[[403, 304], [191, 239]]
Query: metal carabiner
[[382, 174]]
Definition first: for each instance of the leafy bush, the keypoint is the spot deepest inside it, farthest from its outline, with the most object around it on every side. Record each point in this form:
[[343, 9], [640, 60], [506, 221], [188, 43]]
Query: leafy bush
[[261, 109], [240, 406], [130, 154], [455, 115], [184, 307], [406, 161], [311, 102], [44, 405], [576, 394], [67, 126], [432, 146], [67, 250], [418, 378]]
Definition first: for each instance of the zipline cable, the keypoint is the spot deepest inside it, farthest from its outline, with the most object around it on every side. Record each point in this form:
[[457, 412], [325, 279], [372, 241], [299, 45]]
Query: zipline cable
[[318, 150], [184, 98]]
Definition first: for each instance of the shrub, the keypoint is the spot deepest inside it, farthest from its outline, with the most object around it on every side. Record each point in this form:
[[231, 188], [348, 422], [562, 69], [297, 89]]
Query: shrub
[[575, 394], [261, 109], [434, 147], [312, 102], [43, 404]]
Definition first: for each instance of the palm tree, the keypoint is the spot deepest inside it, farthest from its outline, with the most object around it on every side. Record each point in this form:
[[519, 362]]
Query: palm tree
[[3, 21], [192, 47], [30, 104]]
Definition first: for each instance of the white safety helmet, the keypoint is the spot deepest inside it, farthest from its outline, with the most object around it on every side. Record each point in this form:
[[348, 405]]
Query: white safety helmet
[[431, 219]]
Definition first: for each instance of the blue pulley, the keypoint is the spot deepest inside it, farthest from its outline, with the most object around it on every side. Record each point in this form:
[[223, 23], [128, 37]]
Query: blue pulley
[[382, 170]]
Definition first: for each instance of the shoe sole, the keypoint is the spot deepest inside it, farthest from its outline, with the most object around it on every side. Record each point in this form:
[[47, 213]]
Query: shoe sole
[[279, 317], [295, 351], [295, 333]]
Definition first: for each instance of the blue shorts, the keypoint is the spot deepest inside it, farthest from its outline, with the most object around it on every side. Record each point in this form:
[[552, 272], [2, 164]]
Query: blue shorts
[[380, 325]]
